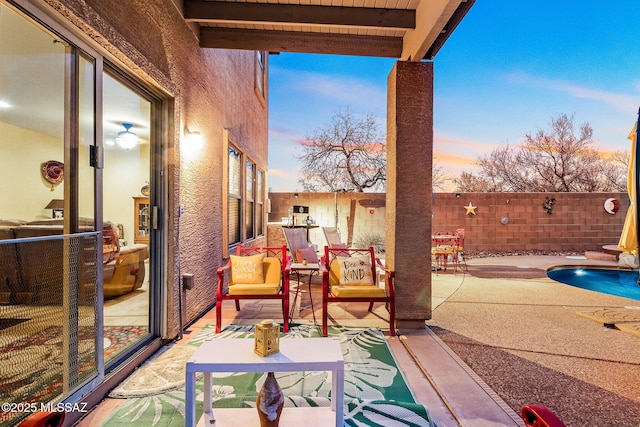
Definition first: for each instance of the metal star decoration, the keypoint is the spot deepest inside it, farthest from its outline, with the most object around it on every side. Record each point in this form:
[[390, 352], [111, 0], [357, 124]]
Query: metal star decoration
[[470, 209]]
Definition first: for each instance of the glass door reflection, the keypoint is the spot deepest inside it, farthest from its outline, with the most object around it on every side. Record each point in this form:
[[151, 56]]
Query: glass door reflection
[[126, 178]]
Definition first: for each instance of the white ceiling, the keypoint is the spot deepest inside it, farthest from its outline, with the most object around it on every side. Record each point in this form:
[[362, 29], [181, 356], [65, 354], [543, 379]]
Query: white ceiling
[[32, 84]]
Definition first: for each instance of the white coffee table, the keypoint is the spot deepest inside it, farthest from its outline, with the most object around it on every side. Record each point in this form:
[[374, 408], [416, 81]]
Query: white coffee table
[[237, 355]]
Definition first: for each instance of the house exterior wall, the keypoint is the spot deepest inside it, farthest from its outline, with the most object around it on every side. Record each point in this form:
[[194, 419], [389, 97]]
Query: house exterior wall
[[207, 90], [578, 221]]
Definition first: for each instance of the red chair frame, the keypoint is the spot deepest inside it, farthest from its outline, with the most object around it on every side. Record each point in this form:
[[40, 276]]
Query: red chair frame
[[540, 416], [44, 419], [328, 297], [283, 295], [445, 245]]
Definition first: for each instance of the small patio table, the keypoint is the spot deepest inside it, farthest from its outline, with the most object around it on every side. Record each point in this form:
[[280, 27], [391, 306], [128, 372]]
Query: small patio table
[[237, 355], [298, 268]]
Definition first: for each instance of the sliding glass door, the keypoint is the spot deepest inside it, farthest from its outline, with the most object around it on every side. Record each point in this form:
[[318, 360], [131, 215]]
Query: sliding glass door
[[49, 242], [77, 229], [127, 215]]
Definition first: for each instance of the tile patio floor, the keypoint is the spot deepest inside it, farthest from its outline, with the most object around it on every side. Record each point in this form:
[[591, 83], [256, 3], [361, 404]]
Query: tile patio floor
[[453, 393]]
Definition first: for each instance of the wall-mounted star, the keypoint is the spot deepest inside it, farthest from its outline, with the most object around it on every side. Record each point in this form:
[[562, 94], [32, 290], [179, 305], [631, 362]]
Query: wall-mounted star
[[470, 209]]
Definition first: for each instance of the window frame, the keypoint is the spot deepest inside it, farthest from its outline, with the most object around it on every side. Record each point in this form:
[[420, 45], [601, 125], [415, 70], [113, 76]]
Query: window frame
[[251, 198], [231, 194], [260, 201], [260, 81]]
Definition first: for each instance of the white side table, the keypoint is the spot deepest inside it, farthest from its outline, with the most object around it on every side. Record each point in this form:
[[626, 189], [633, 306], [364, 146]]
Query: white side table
[[237, 355]]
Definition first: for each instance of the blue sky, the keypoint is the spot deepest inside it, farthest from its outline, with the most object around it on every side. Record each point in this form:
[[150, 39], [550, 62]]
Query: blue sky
[[507, 70]]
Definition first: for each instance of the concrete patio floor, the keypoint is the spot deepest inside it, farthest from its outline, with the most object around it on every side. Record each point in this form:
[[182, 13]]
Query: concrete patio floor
[[520, 335]]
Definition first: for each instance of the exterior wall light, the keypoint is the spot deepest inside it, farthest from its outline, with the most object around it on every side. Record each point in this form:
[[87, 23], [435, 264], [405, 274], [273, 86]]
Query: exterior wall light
[[192, 144], [193, 138]]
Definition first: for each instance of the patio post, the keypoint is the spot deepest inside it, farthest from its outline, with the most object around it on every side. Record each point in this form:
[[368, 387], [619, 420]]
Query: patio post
[[409, 168]]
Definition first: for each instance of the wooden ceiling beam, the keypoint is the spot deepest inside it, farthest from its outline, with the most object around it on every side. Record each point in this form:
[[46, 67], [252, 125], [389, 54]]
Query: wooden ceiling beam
[[218, 11], [435, 20], [291, 41]]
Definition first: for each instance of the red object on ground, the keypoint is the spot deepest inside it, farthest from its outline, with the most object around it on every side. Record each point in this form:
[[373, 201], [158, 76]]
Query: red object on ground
[[44, 419], [540, 416]]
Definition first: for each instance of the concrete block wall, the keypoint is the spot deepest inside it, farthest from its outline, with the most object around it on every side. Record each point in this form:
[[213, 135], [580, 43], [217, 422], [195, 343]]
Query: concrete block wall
[[503, 222], [369, 214], [516, 222]]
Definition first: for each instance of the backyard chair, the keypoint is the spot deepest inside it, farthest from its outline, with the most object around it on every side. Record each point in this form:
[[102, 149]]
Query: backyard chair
[[460, 232], [299, 247], [445, 247], [349, 275], [255, 273], [332, 236]]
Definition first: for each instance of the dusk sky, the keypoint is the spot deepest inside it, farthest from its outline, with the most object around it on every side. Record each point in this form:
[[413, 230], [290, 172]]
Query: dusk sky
[[508, 69]]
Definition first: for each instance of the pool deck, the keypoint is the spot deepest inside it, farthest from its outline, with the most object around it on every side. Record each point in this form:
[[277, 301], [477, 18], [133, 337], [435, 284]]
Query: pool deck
[[522, 335]]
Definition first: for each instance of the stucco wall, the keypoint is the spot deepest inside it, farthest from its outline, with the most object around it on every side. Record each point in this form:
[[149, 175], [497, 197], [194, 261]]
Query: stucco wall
[[578, 221], [205, 90]]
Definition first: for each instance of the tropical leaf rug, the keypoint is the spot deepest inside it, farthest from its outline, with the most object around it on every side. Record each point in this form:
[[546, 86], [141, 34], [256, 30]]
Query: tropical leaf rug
[[376, 393]]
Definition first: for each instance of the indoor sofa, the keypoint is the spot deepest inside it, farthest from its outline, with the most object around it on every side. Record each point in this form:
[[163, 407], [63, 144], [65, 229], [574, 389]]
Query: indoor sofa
[[31, 272]]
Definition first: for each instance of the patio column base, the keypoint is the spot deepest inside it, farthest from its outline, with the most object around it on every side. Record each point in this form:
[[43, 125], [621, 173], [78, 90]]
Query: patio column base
[[410, 324]]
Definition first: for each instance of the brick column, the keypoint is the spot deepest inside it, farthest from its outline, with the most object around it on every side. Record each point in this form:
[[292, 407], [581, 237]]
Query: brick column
[[409, 166]]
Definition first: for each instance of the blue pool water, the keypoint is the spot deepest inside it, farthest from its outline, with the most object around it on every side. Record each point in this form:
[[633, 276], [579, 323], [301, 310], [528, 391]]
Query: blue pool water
[[623, 283]]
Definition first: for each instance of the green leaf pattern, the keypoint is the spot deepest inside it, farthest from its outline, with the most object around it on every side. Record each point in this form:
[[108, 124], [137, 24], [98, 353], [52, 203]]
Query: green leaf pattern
[[375, 392]]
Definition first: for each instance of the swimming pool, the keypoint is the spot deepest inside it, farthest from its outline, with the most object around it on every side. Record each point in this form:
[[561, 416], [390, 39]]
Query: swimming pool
[[612, 281]]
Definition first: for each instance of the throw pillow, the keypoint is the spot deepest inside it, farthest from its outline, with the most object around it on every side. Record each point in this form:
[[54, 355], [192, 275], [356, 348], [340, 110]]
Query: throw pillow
[[355, 270], [308, 253], [247, 269]]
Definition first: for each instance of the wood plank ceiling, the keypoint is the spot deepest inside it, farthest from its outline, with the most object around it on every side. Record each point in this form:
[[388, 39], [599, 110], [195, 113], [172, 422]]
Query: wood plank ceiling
[[410, 30]]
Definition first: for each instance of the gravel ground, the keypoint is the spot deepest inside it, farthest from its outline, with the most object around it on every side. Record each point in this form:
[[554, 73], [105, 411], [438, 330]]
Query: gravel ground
[[519, 381]]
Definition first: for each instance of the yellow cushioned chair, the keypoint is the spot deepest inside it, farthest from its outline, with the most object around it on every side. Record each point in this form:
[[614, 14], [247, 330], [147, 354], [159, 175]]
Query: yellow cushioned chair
[[254, 273], [349, 275]]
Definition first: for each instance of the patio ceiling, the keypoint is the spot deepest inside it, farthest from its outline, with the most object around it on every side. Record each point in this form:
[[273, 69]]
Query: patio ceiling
[[410, 30]]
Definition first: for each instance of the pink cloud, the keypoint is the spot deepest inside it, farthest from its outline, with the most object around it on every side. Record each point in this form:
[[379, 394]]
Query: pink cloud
[[621, 102], [278, 172]]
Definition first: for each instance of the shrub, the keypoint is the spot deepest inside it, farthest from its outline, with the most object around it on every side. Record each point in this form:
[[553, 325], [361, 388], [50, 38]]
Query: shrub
[[367, 239]]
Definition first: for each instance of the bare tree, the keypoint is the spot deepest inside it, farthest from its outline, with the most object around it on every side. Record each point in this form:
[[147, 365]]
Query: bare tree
[[556, 160], [620, 165], [349, 153], [470, 183], [438, 176], [621, 158]]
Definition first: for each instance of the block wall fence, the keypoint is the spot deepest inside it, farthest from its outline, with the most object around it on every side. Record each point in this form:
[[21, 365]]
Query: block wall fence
[[503, 222]]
